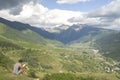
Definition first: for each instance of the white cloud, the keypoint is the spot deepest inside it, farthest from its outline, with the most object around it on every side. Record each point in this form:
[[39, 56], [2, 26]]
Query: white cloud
[[109, 15], [59, 17], [70, 1], [115, 24], [106, 17], [110, 10], [38, 15], [85, 20]]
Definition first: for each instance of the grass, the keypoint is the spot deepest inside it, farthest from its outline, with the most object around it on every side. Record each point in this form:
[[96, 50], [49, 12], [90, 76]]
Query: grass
[[43, 57], [10, 76], [82, 76]]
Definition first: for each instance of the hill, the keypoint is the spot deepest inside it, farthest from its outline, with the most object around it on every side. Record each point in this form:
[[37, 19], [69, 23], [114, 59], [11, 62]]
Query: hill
[[109, 45], [23, 33], [50, 59], [70, 34], [54, 61]]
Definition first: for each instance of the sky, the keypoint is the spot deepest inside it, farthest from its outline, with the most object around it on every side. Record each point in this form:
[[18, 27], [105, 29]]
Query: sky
[[75, 5], [53, 13]]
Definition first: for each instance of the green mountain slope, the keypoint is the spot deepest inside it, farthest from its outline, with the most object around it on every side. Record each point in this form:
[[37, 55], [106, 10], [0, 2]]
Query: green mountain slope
[[25, 36], [106, 41], [47, 60], [50, 60], [109, 45]]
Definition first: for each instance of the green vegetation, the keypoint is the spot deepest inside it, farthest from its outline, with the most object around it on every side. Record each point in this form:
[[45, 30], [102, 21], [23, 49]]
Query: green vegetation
[[109, 45], [25, 37], [51, 60], [89, 76], [54, 61]]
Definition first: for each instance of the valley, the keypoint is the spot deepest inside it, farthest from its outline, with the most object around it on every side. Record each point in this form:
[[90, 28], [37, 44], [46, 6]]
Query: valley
[[90, 55]]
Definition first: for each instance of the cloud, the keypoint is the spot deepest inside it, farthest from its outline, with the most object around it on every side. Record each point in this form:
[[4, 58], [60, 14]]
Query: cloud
[[110, 10], [59, 17], [106, 17], [70, 1], [40, 16], [36, 14], [109, 15], [7, 4], [53, 18], [14, 6], [84, 20], [15, 10]]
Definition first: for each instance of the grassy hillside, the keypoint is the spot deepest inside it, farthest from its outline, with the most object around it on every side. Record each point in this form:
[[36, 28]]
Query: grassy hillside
[[25, 36], [109, 45], [107, 42], [51, 60], [55, 61]]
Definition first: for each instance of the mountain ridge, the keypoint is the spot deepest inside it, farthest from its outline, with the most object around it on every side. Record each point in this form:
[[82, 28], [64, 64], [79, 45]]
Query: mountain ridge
[[75, 34], [49, 59], [68, 35]]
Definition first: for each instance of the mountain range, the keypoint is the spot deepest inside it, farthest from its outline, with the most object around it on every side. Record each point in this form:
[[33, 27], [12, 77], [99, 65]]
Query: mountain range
[[89, 49], [105, 40], [66, 35]]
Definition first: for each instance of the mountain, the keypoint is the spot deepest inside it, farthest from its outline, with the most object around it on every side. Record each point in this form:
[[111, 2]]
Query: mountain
[[72, 33], [65, 35], [76, 32], [109, 45], [104, 40], [57, 29], [21, 32], [21, 26], [50, 59], [53, 61]]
